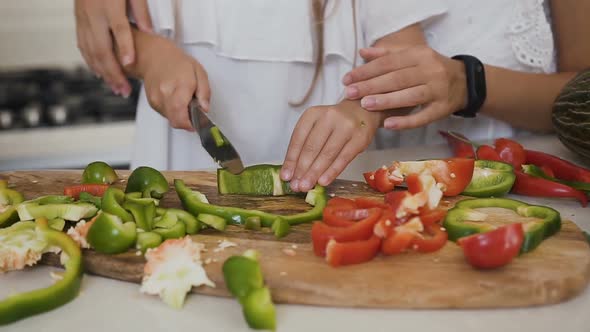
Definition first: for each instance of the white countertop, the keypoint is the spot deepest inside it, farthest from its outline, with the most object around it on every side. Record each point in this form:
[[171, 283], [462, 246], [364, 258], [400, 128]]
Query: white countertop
[[109, 305]]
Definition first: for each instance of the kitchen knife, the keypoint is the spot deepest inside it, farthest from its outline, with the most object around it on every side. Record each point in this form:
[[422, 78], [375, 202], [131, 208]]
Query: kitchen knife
[[216, 144]]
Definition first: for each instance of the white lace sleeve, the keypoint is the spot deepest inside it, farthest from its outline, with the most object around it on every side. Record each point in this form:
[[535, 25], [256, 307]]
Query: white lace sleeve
[[531, 36]]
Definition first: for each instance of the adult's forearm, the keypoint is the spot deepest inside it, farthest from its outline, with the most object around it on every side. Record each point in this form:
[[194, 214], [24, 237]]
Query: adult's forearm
[[524, 100]]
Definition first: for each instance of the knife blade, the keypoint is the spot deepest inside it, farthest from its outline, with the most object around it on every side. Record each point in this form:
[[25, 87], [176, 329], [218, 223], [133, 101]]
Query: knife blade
[[214, 142]]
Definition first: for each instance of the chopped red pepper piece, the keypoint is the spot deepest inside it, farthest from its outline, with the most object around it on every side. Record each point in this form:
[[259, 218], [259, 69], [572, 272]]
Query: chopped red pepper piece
[[562, 169], [394, 199], [382, 181], [430, 217], [370, 179], [367, 203], [355, 252], [459, 144], [93, 189], [361, 230], [435, 240], [341, 202], [343, 217], [493, 249], [397, 242], [534, 186], [510, 152], [487, 152]]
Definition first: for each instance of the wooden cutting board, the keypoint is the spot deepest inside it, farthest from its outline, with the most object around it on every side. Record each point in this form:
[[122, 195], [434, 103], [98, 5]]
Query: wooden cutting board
[[557, 270]]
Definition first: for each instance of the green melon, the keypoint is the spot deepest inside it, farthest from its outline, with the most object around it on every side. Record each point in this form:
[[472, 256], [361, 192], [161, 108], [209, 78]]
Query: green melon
[[571, 115]]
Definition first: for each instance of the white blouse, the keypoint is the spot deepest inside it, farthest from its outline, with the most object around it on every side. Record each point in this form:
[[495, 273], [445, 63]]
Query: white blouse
[[259, 56], [514, 34]]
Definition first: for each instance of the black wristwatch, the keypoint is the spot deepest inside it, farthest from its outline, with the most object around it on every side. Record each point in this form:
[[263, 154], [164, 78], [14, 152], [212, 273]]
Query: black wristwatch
[[476, 85]]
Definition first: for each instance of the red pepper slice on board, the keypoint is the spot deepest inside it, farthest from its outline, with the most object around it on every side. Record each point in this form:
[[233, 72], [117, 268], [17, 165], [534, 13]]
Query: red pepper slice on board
[[355, 252], [367, 203], [370, 179], [394, 199], [493, 249], [562, 169], [382, 181], [458, 144], [535, 186], [433, 239], [430, 217], [341, 202], [487, 152], [387, 223], [93, 189], [343, 217], [457, 175], [361, 230], [397, 242], [510, 152]]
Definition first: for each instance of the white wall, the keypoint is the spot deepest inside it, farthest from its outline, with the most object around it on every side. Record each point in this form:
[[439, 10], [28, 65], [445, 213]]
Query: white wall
[[38, 33]]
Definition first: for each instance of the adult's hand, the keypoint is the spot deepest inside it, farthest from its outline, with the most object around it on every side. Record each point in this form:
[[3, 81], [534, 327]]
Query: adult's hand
[[407, 78], [95, 21]]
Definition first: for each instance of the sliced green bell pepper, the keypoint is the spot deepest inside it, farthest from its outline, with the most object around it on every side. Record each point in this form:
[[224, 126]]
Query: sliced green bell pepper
[[192, 202], [280, 227], [244, 280], [111, 203], [72, 211], [263, 180], [147, 240], [89, 198], [253, 223], [9, 198], [150, 182], [538, 172], [212, 221], [463, 220], [99, 172], [109, 235], [143, 211], [490, 179], [52, 199], [176, 231], [192, 224], [19, 306]]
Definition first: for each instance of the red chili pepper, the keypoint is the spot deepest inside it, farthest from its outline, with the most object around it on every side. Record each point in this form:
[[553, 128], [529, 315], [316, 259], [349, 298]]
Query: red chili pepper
[[534, 186], [459, 144], [562, 169], [486, 152], [94, 189], [510, 152]]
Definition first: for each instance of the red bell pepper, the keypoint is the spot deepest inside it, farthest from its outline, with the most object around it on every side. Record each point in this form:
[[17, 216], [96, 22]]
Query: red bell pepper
[[562, 169], [341, 202], [384, 181], [486, 152], [535, 186], [370, 179], [430, 217], [367, 203], [93, 189], [459, 144], [343, 217], [361, 230], [435, 240], [397, 242], [355, 252], [510, 152], [493, 249]]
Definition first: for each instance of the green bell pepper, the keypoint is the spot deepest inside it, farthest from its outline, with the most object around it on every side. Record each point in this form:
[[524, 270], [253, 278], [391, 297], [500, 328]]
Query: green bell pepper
[[111, 203], [147, 240], [89, 198], [192, 224], [19, 306], [244, 280], [538, 172], [143, 211], [462, 220], [72, 211], [193, 203], [99, 172], [261, 180], [109, 235], [280, 227], [253, 223], [212, 221], [52, 199], [9, 198], [176, 231], [150, 182], [490, 179], [167, 220]]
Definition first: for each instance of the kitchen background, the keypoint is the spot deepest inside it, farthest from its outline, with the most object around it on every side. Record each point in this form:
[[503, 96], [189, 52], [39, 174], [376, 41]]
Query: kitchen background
[[53, 112]]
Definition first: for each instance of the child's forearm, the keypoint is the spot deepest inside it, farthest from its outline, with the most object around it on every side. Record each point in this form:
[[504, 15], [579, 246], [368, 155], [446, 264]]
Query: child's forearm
[[524, 100], [145, 45]]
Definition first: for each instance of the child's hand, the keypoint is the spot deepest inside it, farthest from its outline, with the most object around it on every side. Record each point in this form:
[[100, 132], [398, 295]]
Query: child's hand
[[325, 140], [411, 77], [171, 79]]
